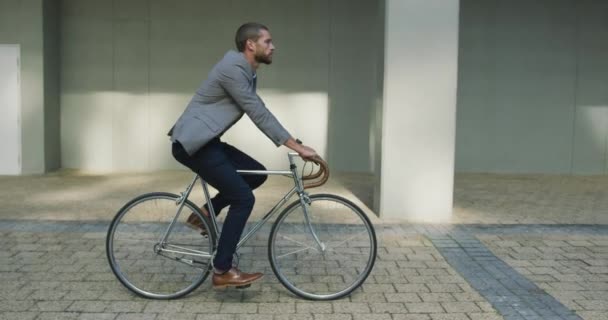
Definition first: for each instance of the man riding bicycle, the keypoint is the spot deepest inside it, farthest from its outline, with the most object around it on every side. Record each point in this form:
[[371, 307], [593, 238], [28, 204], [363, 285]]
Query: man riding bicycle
[[228, 92]]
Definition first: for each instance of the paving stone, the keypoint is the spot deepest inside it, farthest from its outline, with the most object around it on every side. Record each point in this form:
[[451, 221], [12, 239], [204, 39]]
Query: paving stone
[[58, 316], [16, 306], [314, 307], [176, 316], [293, 317], [414, 316], [232, 307], [260, 296], [276, 308], [424, 307], [83, 295], [378, 288], [350, 307], [484, 316], [253, 317], [201, 307], [416, 288], [402, 297], [88, 306], [452, 288], [450, 316], [53, 305], [18, 315], [593, 305], [215, 317], [460, 307], [136, 316], [163, 307], [422, 279], [125, 306], [437, 297], [391, 307], [368, 297], [362, 316], [97, 316], [333, 316], [592, 315]]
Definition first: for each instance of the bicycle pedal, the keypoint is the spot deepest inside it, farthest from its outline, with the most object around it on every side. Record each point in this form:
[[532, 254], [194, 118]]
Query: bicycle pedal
[[244, 287]]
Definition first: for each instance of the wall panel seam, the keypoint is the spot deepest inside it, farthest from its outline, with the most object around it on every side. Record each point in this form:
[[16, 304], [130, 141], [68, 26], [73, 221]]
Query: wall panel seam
[[576, 83]]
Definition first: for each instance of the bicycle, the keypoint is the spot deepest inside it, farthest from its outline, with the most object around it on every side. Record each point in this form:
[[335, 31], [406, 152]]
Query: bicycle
[[321, 246]]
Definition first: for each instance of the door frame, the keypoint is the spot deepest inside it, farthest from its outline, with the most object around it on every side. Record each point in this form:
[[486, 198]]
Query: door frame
[[19, 134]]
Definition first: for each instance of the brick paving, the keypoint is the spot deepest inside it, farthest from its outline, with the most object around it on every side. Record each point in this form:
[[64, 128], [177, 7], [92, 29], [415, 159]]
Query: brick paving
[[58, 270], [537, 267], [572, 268]]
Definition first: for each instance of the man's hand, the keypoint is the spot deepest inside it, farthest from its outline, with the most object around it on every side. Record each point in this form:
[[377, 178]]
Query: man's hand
[[305, 152]]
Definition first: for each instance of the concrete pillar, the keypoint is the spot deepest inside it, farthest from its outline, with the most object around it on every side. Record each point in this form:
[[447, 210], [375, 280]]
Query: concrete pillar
[[419, 109]]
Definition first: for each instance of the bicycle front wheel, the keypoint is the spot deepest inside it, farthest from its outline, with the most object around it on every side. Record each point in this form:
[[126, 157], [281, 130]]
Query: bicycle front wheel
[[326, 253], [153, 268]]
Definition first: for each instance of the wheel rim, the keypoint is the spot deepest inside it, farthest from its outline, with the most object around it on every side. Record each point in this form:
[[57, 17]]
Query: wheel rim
[[323, 273], [133, 249]]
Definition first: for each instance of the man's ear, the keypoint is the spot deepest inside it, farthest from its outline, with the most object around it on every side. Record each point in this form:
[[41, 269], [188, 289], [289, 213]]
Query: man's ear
[[250, 44]]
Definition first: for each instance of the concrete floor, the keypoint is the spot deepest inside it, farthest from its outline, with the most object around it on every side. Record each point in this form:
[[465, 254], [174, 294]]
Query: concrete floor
[[517, 247], [478, 198]]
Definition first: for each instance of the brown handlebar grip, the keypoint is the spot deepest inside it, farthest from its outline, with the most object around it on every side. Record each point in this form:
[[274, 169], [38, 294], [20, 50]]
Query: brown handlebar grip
[[313, 176], [323, 173]]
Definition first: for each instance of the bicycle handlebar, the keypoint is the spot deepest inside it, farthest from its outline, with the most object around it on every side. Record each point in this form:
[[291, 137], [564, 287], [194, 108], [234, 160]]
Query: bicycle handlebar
[[323, 173]]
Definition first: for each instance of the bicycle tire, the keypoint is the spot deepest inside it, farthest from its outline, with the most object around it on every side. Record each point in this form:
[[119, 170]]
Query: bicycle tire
[[324, 271], [145, 264]]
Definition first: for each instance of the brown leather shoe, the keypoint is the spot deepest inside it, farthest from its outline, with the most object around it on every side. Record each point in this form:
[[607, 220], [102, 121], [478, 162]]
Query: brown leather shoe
[[195, 222], [234, 278]]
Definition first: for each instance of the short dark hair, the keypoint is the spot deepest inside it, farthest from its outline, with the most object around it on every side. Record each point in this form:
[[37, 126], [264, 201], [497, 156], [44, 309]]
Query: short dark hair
[[248, 31]]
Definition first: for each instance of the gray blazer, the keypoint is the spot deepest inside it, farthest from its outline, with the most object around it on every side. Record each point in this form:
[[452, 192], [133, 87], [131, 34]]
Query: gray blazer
[[228, 92]]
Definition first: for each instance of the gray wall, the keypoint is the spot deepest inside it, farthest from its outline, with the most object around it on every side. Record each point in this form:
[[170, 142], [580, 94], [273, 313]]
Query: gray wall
[[533, 86], [21, 23], [51, 34], [128, 68], [355, 47]]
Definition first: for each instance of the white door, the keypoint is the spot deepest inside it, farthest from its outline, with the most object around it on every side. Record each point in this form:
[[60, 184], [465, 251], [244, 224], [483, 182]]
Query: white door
[[10, 110]]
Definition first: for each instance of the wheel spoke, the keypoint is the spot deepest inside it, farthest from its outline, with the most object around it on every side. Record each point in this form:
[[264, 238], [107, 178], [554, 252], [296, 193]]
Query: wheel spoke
[[298, 242], [296, 251], [356, 235], [142, 264], [312, 275]]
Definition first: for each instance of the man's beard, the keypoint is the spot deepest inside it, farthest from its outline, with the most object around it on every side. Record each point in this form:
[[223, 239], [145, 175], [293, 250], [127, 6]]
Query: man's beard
[[262, 58]]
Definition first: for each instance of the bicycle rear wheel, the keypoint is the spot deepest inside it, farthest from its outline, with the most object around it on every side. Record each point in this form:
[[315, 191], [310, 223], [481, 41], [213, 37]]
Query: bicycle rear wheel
[[148, 267], [342, 263]]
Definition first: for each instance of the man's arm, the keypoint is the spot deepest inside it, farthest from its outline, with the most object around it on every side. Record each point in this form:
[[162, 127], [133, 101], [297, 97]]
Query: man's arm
[[304, 151], [234, 79]]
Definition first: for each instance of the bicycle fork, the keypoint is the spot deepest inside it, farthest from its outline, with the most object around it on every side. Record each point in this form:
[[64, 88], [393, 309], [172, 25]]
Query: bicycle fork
[[305, 203]]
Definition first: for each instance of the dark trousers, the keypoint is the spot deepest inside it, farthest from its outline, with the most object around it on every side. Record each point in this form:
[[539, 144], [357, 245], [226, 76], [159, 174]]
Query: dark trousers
[[216, 163]]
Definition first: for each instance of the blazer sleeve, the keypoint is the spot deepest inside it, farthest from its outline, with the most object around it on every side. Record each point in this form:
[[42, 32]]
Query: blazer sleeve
[[233, 78]]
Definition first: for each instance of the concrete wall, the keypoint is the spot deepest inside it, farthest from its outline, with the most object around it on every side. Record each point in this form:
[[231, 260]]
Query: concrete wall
[[21, 23], [51, 36], [128, 68], [355, 45], [533, 86]]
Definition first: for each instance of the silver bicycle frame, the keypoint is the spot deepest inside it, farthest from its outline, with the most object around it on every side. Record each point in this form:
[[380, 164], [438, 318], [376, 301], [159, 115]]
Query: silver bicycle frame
[[298, 188]]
